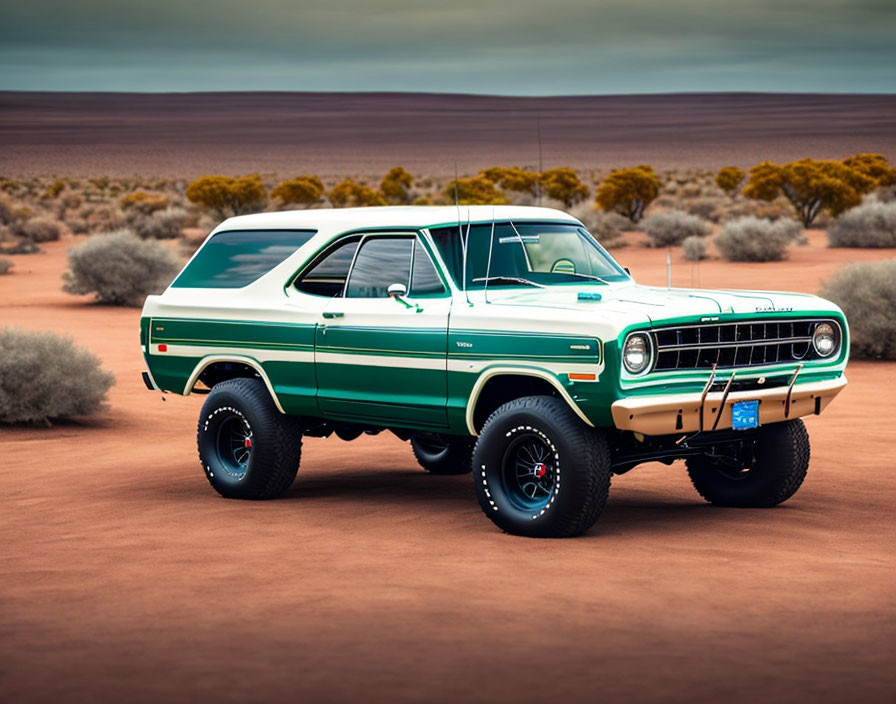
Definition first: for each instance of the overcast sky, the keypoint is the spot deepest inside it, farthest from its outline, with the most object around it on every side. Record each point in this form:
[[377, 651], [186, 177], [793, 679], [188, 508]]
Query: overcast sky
[[479, 46]]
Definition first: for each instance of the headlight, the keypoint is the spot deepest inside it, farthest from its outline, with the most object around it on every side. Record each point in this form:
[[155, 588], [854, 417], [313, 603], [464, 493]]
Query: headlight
[[825, 340], [636, 353]]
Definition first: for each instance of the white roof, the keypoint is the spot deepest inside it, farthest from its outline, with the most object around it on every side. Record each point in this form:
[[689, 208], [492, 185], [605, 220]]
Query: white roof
[[340, 219]]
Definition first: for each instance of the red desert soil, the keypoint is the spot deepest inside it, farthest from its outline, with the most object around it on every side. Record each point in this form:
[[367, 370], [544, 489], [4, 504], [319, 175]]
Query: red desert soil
[[335, 134], [125, 577]]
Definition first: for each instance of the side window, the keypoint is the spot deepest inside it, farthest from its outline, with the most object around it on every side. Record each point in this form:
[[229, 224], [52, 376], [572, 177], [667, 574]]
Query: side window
[[424, 278], [236, 258], [326, 277], [381, 262]]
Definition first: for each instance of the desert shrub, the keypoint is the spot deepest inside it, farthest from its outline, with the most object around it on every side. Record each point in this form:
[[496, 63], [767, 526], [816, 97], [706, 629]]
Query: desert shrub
[[874, 166], [605, 227], [869, 225], [752, 239], [143, 202], [71, 201], [119, 268], [349, 193], [164, 225], [866, 291], [706, 208], [103, 218], [730, 179], [673, 227], [396, 186], [21, 247], [563, 184], [39, 229], [629, 191], [226, 196], [812, 186], [5, 266], [693, 248], [513, 179], [44, 375], [476, 190], [302, 190], [6, 210], [77, 226]]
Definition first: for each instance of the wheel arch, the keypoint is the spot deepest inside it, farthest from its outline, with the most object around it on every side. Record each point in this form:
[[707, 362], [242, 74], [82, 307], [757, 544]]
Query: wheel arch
[[208, 361], [474, 413]]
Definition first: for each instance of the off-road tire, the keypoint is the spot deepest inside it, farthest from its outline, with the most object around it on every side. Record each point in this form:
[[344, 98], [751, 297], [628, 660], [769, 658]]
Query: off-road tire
[[780, 462], [442, 456], [244, 405], [580, 468]]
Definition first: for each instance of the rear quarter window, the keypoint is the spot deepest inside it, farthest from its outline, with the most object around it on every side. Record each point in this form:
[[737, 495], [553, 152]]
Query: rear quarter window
[[236, 258]]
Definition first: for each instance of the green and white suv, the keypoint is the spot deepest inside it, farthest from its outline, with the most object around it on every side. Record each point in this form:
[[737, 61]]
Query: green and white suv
[[499, 340]]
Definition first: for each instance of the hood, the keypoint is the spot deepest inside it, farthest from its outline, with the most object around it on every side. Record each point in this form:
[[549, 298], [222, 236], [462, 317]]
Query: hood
[[657, 304]]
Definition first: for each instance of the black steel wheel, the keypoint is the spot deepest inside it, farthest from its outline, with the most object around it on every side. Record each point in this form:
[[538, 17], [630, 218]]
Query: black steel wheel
[[248, 449], [539, 470], [761, 473]]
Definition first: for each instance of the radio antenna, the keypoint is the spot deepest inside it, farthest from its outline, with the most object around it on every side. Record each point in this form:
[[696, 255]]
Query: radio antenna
[[540, 163], [491, 243], [460, 234]]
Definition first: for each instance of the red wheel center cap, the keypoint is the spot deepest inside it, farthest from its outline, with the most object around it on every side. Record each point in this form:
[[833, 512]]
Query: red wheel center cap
[[540, 470]]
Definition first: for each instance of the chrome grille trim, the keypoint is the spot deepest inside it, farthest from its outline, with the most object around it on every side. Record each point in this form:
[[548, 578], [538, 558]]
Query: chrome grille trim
[[736, 345]]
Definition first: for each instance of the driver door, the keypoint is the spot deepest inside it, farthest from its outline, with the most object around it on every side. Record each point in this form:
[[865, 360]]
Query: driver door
[[380, 359]]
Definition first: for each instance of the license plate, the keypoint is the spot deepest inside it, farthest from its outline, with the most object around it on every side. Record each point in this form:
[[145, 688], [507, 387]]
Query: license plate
[[745, 415]]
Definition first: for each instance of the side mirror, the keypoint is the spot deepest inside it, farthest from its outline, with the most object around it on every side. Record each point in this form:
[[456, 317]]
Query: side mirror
[[397, 291]]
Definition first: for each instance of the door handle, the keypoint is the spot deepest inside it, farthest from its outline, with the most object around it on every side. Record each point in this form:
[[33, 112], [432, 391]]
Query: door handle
[[330, 315]]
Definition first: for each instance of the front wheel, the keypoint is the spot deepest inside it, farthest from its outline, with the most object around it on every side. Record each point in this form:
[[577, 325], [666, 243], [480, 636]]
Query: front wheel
[[767, 474], [248, 449], [539, 470]]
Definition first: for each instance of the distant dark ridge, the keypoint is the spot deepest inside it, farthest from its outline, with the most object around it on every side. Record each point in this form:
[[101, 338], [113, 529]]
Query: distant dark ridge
[[189, 134]]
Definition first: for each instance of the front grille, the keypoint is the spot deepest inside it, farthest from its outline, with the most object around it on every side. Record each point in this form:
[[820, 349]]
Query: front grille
[[733, 345]]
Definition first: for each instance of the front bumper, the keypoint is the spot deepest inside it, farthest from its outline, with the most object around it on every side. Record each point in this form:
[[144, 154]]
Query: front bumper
[[680, 413]]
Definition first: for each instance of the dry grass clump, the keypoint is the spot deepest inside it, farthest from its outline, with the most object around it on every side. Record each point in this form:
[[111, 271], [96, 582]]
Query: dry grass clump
[[164, 225], [119, 268], [39, 229], [5, 266], [673, 227], [44, 376], [869, 225], [693, 248], [866, 291], [752, 239]]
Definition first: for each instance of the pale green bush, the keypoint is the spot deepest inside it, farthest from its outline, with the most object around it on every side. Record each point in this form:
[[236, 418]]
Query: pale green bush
[[119, 268], [5, 266], [44, 376], [869, 225], [866, 291], [752, 239], [694, 248], [673, 227]]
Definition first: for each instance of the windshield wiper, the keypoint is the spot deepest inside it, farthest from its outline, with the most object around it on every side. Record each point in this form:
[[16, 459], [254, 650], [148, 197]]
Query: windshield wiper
[[586, 276], [511, 279]]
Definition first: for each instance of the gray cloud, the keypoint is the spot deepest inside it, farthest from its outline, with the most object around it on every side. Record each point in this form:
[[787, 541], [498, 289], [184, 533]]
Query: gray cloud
[[553, 46]]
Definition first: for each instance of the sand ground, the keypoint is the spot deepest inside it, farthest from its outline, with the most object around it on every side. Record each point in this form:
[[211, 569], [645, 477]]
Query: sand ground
[[123, 576]]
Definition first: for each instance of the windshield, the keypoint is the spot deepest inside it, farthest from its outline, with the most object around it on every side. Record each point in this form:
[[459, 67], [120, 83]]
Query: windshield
[[523, 254]]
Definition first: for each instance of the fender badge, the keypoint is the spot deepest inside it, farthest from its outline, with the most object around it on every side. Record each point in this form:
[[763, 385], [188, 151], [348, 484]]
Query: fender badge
[[588, 296]]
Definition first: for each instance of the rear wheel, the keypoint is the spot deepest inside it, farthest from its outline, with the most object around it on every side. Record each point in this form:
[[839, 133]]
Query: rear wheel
[[440, 455], [248, 449], [768, 472], [540, 471]]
